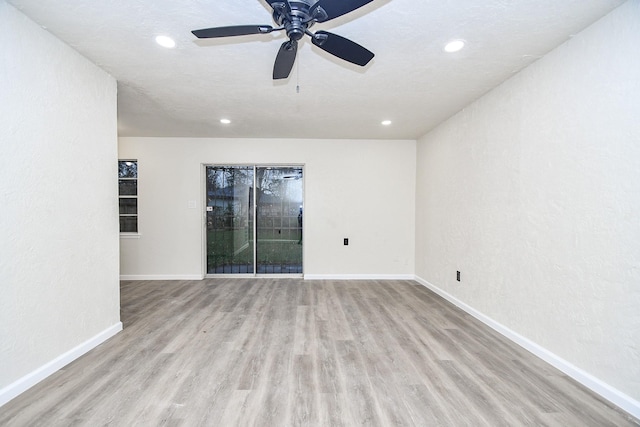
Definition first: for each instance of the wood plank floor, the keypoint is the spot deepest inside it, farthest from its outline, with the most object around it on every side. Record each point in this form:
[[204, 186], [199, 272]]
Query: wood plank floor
[[274, 352]]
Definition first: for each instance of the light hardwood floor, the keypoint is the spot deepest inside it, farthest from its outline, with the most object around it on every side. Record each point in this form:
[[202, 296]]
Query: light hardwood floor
[[267, 352]]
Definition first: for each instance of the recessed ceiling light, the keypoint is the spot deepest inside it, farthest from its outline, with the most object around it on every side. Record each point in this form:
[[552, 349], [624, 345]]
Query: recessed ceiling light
[[454, 46], [386, 122], [165, 41], [225, 121]]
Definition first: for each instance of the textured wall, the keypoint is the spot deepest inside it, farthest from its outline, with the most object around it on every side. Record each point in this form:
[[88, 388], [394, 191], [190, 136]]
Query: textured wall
[[58, 198], [533, 193], [363, 190]]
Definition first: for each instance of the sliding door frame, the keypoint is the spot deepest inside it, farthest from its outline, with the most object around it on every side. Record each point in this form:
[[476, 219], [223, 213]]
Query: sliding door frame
[[203, 192]]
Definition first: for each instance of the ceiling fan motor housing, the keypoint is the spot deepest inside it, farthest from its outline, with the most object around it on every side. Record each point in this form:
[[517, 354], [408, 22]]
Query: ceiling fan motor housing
[[296, 17]]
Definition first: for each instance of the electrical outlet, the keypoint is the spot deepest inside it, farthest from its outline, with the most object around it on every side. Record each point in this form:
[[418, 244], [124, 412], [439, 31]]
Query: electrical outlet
[[346, 241], [458, 276]]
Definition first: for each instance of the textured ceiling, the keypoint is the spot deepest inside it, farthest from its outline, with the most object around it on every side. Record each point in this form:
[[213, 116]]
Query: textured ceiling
[[411, 81]]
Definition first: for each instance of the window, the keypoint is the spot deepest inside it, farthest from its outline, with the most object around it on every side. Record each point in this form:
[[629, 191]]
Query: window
[[128, 195]]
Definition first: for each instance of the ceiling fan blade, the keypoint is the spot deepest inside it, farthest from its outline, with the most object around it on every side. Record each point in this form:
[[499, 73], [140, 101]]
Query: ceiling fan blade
[[342, 48], [236, 30], [335, 8], [285, 59]]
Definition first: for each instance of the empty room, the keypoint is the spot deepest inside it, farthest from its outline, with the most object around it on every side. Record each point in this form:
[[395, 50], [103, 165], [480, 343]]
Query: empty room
[[320, 213]]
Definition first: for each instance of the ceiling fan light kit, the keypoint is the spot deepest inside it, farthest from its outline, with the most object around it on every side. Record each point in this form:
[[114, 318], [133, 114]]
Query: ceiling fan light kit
[[296, 17]]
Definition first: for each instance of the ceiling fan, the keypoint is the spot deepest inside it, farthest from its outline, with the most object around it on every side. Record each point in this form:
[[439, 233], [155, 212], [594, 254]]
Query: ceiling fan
[[296, 17]]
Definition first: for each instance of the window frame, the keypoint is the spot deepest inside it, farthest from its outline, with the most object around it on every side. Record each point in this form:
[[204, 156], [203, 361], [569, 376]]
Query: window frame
[[128, 196]]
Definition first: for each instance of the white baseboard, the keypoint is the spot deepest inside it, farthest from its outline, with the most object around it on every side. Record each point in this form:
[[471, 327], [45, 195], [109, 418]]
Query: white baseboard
[[161, 277], [33, 378], [359, 277], [598, 386], [306, 277]]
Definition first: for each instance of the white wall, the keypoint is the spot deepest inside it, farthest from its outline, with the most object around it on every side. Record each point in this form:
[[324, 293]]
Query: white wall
[[533, 193], [59, 290], [363, 190]]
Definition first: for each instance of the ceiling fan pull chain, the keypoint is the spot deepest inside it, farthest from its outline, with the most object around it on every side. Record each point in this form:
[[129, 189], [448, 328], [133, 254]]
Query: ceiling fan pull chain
[[298, 74]]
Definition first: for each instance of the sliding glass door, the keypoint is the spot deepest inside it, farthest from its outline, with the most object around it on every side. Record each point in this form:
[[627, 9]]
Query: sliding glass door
[[230, 213], [230, 219], [279, 215]]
